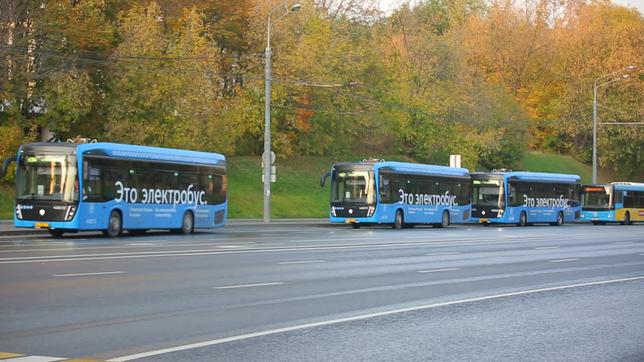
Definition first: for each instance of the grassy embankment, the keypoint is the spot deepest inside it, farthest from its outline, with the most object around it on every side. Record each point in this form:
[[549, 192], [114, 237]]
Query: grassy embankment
[[297, 192]]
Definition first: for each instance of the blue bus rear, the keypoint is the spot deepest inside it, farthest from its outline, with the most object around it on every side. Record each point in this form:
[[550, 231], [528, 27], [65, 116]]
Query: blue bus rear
[[68, 187], [524, 198], [397, 193]]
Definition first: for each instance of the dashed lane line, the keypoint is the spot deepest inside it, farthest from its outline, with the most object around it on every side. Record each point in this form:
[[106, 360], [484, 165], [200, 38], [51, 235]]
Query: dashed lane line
[[88, 274], [438, 270], [248, 285], [301, 262], [563, 260]]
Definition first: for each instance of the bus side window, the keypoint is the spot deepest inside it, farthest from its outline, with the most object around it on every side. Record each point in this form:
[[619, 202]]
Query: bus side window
[[512, 195], [619, 196]]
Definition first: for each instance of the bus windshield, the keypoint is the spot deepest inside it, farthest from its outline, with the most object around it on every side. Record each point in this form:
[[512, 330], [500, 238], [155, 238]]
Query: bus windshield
[[596, 199], [352, 187], [487, 192], [47, 177]]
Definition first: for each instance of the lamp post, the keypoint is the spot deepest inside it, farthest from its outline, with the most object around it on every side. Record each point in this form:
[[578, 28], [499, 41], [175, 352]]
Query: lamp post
[[596, 85], [266, 156]]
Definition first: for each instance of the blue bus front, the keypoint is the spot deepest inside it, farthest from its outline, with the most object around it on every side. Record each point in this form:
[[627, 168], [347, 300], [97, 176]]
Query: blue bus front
[[47, 187], [353, 198]]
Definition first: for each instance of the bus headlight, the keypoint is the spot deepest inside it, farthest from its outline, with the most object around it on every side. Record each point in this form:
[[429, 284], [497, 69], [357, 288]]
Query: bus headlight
[[333, 211], [371, 211], [18, 212], [70, 213]]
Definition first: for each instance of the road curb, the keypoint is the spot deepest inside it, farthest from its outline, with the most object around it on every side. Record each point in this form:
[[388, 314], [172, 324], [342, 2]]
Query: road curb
[[7, 228]]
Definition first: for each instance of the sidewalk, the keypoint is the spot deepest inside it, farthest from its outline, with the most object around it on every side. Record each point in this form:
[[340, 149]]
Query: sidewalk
[[8, 229]]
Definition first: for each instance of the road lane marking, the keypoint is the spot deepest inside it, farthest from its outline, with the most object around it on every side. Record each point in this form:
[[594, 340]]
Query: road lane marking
[[35, 359], [624, 242], [445, 253], [438, 270], [546, 247], [358, 318], [301, 262], [88, 274], [248, 285], [563, 260]]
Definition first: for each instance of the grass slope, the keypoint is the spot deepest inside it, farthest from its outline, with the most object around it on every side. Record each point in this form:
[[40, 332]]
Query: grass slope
[[6, 202], [541, 162]]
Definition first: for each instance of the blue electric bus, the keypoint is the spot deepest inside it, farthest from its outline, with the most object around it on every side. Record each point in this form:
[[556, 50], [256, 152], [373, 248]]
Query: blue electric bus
[[67, 187], [524, 198], [398, 193], [621, 202]]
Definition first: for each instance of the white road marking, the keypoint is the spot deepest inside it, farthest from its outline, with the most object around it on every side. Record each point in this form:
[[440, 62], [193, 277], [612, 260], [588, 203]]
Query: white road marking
[[301, 262], [546, 247], [563, 260], [624, 242], [35, 359], [357, 318], [88, 274], [248, 285], [438, 270], [445, 253]]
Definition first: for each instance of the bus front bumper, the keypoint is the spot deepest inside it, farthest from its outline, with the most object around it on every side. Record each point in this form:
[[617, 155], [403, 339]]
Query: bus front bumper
[[67, 225]]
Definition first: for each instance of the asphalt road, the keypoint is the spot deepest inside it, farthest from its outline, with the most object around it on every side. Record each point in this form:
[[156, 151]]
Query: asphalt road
[[300, 292]]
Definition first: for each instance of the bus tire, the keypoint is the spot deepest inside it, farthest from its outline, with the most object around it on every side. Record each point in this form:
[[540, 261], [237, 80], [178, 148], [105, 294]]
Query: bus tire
[[114, 225], [627, 219], [355, 225], [444, 220], [57, 233], [560, 220], [187, 223], [399, 220], [523, 219]]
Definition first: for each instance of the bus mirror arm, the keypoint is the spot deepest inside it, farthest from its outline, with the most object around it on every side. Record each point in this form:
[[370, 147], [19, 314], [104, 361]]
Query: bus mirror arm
[[323, 179], [6, 163]]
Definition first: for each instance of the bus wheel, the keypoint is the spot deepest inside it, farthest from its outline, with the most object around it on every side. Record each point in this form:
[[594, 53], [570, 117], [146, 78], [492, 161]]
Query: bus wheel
[[444, 220], [187, 224], [560, 220], [114, 225], [523, 219], [57, 233], [399, 220], [355, 225], [627, 219]]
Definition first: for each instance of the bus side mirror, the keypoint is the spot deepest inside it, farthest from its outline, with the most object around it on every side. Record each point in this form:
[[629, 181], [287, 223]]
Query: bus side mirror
[[323, 179], [6, 163]]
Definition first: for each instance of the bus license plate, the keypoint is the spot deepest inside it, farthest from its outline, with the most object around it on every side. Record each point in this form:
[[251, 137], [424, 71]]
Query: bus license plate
[[483, 220], [348, 221], [42, 225]]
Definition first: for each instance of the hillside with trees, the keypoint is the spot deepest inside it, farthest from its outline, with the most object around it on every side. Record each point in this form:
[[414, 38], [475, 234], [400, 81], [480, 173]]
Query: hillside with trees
[[489, 80]]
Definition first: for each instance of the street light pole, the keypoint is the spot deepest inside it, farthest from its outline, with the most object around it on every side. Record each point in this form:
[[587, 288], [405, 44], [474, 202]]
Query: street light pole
[[266, 156], [596, 85]]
